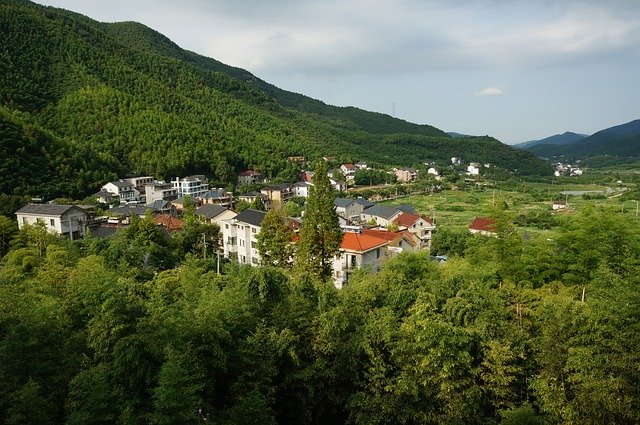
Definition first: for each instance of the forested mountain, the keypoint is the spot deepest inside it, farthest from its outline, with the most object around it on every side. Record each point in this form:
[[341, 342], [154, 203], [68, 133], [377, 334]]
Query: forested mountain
[[557, 139], [621, 140], [121, 98]]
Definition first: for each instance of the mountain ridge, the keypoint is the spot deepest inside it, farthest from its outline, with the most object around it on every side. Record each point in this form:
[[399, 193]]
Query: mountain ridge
[[557, 139], [127, 95], [621, 140]]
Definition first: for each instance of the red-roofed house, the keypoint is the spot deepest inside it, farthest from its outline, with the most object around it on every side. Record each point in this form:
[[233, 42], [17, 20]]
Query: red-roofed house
[[420, 226], [483, 225], [398, 241], [171, 223], [358, 251]]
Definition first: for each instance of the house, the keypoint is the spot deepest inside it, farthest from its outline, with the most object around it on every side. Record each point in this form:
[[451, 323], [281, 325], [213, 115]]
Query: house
[[418, 225], [302, 189], [349, 171], [456, 161], [178, 205], [123, 189], [215, 213], [484, 225], [351, 209], [278, 194], [159, 191], [433, 171], [380, 215], [104, 196], [217, 196], [250, 197], [250, 177], [337, 185], [139, 184], [400, 241], [473, 169], [65, 220], [194, 186], [358, 251], [406, 175], [239, 236], [124, 211]]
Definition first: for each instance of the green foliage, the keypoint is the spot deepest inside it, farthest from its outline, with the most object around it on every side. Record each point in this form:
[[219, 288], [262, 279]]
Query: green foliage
[[320, 236], [275, 240], [83, 102]]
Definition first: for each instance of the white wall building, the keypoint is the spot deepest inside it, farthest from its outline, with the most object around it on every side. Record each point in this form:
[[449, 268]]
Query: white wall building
[[193, 186], [239, 237], [66, 220]]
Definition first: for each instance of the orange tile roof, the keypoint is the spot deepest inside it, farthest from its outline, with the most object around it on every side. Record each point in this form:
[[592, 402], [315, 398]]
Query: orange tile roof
[[390, 236], [170, 223], [360, 242], [484, 224], [406, 219]]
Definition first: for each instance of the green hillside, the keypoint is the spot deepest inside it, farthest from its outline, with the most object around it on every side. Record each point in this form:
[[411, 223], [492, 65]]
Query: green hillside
[[122, 99]]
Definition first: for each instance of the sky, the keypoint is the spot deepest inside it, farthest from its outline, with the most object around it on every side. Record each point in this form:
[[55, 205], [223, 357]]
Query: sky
[[516, 70]]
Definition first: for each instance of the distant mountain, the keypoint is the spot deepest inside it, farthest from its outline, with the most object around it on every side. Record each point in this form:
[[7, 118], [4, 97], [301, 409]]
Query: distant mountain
[[457, 135], [89, 100], [557, 139], [621, 140]]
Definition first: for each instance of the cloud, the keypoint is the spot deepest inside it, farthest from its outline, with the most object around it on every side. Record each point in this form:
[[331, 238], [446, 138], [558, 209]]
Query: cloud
[[490, 91]]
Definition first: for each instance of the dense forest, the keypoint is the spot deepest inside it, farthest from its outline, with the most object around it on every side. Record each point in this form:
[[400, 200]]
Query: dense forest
[[140, 328], [98, 100]]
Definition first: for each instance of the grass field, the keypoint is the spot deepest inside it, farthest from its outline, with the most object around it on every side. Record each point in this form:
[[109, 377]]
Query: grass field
[[456, 208]]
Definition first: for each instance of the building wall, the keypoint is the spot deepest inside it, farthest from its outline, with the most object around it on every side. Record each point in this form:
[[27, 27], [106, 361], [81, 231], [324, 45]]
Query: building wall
[[71, 224], [245, 248]]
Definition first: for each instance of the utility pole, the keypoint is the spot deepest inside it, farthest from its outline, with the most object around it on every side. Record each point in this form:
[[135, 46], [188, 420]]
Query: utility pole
[[204, 246]]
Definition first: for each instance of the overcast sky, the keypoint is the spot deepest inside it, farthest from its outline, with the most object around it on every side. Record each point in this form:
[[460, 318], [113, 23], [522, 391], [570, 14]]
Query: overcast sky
[[515, 70]]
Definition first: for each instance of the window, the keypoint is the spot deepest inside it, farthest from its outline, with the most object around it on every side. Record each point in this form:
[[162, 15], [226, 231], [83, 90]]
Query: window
[[377, 252], [254, 260], [253, 244], [253, 230], [226, 226], [24, 220], [52, 222]]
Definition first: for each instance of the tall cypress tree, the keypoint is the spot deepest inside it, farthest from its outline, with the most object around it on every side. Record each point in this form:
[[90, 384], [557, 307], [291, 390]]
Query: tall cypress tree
[[320, 236]]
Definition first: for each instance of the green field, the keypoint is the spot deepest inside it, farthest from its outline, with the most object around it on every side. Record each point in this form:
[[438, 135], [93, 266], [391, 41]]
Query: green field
[[457, 208]]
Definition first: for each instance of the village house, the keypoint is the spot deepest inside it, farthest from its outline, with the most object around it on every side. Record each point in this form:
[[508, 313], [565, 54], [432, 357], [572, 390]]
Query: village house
[[65, 220], [351, 209], [123, 189], [105, 197], [250, 177], [159, 191], [380, 215], [559, 205], [239, 236], [484, 225], [349, 171], [214, 213], [337, 185], [399, 241], [217, 196], [419, 226], [358, 251], [194, 186], [406, 175], [251, 196], [302, 189], [473, 169], [278, 194]]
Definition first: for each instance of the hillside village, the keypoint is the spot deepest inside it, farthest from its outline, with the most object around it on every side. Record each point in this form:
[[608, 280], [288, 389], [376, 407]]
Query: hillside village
[[372, 233]]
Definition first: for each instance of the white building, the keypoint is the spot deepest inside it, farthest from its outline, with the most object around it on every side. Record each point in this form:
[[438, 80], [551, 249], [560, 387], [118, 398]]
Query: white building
[[239, 237], [358, 251], [123, 189], [159, 191], [194, 186], [473, 169], [66, 220], [302, 189]]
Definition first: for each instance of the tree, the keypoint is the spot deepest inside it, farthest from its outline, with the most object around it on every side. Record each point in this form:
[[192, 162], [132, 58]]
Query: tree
[[320, 236], [274, 239]]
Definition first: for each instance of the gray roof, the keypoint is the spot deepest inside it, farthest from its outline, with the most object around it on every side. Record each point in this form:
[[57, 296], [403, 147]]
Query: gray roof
[[159, 204], [121, 183], [406, 208], [253, 217], [278, 186], [215, 194], [302, 184], [382, 211], [342, 202], [210, 211], [364, 202], [127, 210], [46, 209]]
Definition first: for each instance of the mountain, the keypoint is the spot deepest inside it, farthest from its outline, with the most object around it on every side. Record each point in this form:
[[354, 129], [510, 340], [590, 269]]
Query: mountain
[[457, 135], [557, 139], [620, 140], [90, 100]]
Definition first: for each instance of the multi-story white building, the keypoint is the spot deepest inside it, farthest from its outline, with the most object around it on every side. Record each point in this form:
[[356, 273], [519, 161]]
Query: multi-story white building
[[239, 236], [66, 220], [194, 186]]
